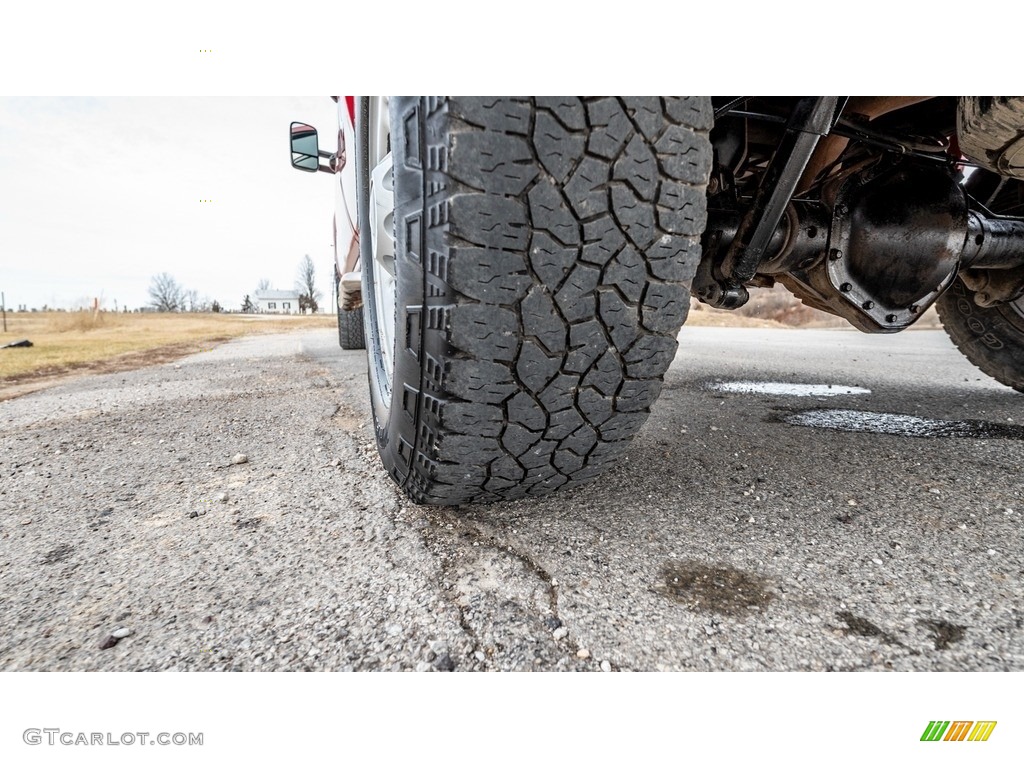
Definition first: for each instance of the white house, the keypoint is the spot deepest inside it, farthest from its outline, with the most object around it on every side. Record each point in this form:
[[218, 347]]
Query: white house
[[277, 302]]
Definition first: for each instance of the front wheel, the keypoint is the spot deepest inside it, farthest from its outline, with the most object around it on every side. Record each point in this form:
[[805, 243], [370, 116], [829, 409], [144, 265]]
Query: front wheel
[[527, 265]]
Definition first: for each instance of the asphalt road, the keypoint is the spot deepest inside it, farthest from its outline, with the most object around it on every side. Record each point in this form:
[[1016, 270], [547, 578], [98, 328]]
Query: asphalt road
[[741, 533]]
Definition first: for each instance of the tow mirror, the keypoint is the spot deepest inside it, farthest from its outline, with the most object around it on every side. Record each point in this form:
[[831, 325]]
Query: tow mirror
[[305, 149]]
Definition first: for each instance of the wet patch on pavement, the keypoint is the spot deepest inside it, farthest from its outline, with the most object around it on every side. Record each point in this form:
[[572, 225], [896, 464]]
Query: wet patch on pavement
[[786, 389], [898, 424], [58, 554], [943, 633], [861, 627], [720, 589]]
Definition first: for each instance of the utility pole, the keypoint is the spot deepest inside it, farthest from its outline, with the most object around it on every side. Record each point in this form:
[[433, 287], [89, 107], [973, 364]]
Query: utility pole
[[3, 306]]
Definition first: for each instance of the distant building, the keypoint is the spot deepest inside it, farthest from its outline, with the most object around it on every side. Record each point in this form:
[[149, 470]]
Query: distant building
[[277, 302]]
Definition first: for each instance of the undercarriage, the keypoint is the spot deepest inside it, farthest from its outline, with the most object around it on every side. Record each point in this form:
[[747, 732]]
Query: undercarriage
[[868, 208]]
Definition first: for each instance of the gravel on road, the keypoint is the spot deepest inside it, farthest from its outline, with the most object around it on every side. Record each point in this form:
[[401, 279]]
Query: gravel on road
[[229, 512]]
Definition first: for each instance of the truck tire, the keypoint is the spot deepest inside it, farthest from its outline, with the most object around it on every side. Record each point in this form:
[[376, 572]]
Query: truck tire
[[541, 262], [350, 323], [350, 329], [990, 337]]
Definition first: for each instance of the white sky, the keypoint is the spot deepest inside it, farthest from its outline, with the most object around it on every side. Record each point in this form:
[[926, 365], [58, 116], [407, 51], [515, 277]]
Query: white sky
[[99, 194]]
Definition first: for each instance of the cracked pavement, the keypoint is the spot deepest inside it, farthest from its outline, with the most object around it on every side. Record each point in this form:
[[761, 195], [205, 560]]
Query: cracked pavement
[[730, 539]]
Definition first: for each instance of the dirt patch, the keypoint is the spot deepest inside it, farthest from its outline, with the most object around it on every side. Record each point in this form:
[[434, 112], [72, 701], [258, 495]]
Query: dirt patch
[[720, 589]]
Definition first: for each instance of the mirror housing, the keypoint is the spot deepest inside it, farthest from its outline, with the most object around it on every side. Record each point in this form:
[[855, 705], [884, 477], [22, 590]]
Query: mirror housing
[[305, 148]]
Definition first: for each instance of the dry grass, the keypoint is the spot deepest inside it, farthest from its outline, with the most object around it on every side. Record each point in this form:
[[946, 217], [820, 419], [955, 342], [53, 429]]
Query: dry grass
[[67, 341]]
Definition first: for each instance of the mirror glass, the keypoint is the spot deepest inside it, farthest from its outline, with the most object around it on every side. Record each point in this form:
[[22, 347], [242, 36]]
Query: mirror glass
[[305, 151]]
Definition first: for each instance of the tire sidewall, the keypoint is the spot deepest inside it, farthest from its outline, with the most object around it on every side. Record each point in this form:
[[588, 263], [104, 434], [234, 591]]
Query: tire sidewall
[[394, 411]]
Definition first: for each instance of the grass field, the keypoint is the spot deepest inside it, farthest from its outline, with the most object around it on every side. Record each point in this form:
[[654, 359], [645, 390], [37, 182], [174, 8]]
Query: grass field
[[69, 341]]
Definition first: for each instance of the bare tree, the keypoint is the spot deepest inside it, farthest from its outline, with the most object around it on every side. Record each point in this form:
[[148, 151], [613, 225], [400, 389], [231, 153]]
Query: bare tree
[[306, 284], [165, 294], [263, 285]]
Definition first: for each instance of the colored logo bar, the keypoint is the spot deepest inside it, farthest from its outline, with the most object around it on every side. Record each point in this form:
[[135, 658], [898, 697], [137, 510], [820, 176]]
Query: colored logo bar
[[958, 730]]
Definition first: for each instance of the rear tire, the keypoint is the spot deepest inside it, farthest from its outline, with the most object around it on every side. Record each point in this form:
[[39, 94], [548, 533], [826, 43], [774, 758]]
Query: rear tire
[[990, 337], [350, 324], [543, 254], [350, 329]]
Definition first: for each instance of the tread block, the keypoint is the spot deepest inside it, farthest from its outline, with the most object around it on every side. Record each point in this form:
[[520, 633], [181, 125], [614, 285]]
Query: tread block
[[606, 375], [681, 209], [610, 128], [635, 216], [517, 439], [602, 240], [558, 149], [480, 381], [638, 168], [535, 368], [618, 317], [693, 111], [576, 296], [507, 468], [550, 211], [649, 356], [587, 341], [568, 109], [646, 114], [539, 458], [472, 418], [637, 394], [541, 320], [491, 162], [622, 426], [586, 188], [467, 449], [466, 481], [549, 260], [684, 155], [491, 221], [558, 394], [674, 258], [564, 423], [594, 406], [489, 276], [581, 441], [664, 307], [486, 332], [567, 462], [628, 273], [525, 411], [498, 113]]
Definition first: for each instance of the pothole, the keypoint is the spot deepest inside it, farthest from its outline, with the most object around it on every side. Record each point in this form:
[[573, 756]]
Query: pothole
[[787, 389], [899, 424]]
